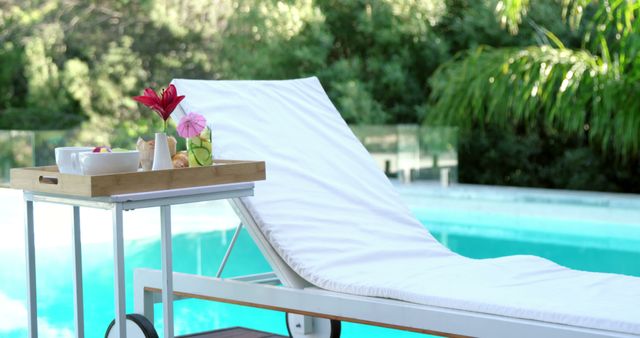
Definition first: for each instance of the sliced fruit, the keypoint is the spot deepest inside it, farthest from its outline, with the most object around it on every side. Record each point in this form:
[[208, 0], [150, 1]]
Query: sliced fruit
[[200, 155], [196, 141]]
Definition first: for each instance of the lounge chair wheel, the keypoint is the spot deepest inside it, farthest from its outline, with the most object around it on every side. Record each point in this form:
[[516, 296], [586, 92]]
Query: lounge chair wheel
[[138, 326], [312, 327]]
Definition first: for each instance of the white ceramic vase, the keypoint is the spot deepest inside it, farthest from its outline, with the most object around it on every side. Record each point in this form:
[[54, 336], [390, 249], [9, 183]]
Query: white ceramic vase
[[161, 155]]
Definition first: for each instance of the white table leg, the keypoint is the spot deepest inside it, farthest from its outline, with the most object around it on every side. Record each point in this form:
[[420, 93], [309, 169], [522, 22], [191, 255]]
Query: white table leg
[[118, 260], [77, 274], [30, 257], [167, 270]]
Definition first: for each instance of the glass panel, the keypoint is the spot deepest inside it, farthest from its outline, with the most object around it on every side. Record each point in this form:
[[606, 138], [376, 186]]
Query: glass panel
[[408, 152], [412, 152]]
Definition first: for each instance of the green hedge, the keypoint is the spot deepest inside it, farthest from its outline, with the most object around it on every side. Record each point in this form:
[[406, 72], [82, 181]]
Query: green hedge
[[503, 156]]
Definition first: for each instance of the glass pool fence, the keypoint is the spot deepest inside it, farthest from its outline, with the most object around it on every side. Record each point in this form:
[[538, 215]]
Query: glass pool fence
[[407, 152]]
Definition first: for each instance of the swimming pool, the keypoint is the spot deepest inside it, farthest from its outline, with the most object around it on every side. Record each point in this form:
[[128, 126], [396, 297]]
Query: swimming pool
[[588, 231]]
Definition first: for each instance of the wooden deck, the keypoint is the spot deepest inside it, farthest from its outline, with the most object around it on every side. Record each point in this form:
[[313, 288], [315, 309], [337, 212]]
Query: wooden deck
[[233, 332]]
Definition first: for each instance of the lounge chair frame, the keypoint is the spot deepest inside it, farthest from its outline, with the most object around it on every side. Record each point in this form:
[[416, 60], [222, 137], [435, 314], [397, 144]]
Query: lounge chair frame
[[284, 290]]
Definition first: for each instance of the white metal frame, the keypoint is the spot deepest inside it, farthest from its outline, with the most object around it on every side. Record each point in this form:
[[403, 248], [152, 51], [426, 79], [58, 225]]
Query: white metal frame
[[118, 204], [284, 290]]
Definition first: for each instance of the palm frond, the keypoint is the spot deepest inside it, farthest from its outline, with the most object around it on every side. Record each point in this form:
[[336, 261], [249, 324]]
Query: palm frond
[[561, 89], [511, 12]]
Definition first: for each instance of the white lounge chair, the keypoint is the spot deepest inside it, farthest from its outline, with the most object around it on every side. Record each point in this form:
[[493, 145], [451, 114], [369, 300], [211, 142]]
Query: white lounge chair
[[344, 247]]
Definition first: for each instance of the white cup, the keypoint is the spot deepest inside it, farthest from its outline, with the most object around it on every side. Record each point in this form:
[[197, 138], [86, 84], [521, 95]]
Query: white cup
[[67, 159]]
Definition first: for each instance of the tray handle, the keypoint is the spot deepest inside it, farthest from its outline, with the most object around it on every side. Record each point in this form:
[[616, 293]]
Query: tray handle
[[48, 180]]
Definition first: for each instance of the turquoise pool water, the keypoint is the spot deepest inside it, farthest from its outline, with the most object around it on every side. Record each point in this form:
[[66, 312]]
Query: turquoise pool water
[[593, 232]]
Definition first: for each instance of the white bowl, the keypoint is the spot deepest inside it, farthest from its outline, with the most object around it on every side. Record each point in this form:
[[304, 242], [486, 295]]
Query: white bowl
[[109, 163]]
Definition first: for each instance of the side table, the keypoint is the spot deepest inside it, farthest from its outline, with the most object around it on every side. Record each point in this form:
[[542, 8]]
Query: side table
[[118, 204]]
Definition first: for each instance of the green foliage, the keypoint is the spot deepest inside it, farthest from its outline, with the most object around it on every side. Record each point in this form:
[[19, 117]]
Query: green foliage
[[573, 91], [536, 159], [512, 12], [254, 40], [521, 83], [473, 23], [30, 78], [36, 118], [11, 68], [86, 59], [382, 55]]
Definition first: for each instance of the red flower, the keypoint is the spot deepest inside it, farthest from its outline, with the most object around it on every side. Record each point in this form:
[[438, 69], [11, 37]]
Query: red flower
[[163, 105]]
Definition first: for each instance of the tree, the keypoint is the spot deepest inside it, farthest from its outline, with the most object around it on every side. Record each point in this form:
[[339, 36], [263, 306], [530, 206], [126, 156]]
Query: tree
[[82, 60], [591, 90]]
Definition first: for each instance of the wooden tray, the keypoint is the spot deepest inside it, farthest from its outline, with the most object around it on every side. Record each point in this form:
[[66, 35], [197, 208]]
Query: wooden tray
[[49, 180]]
